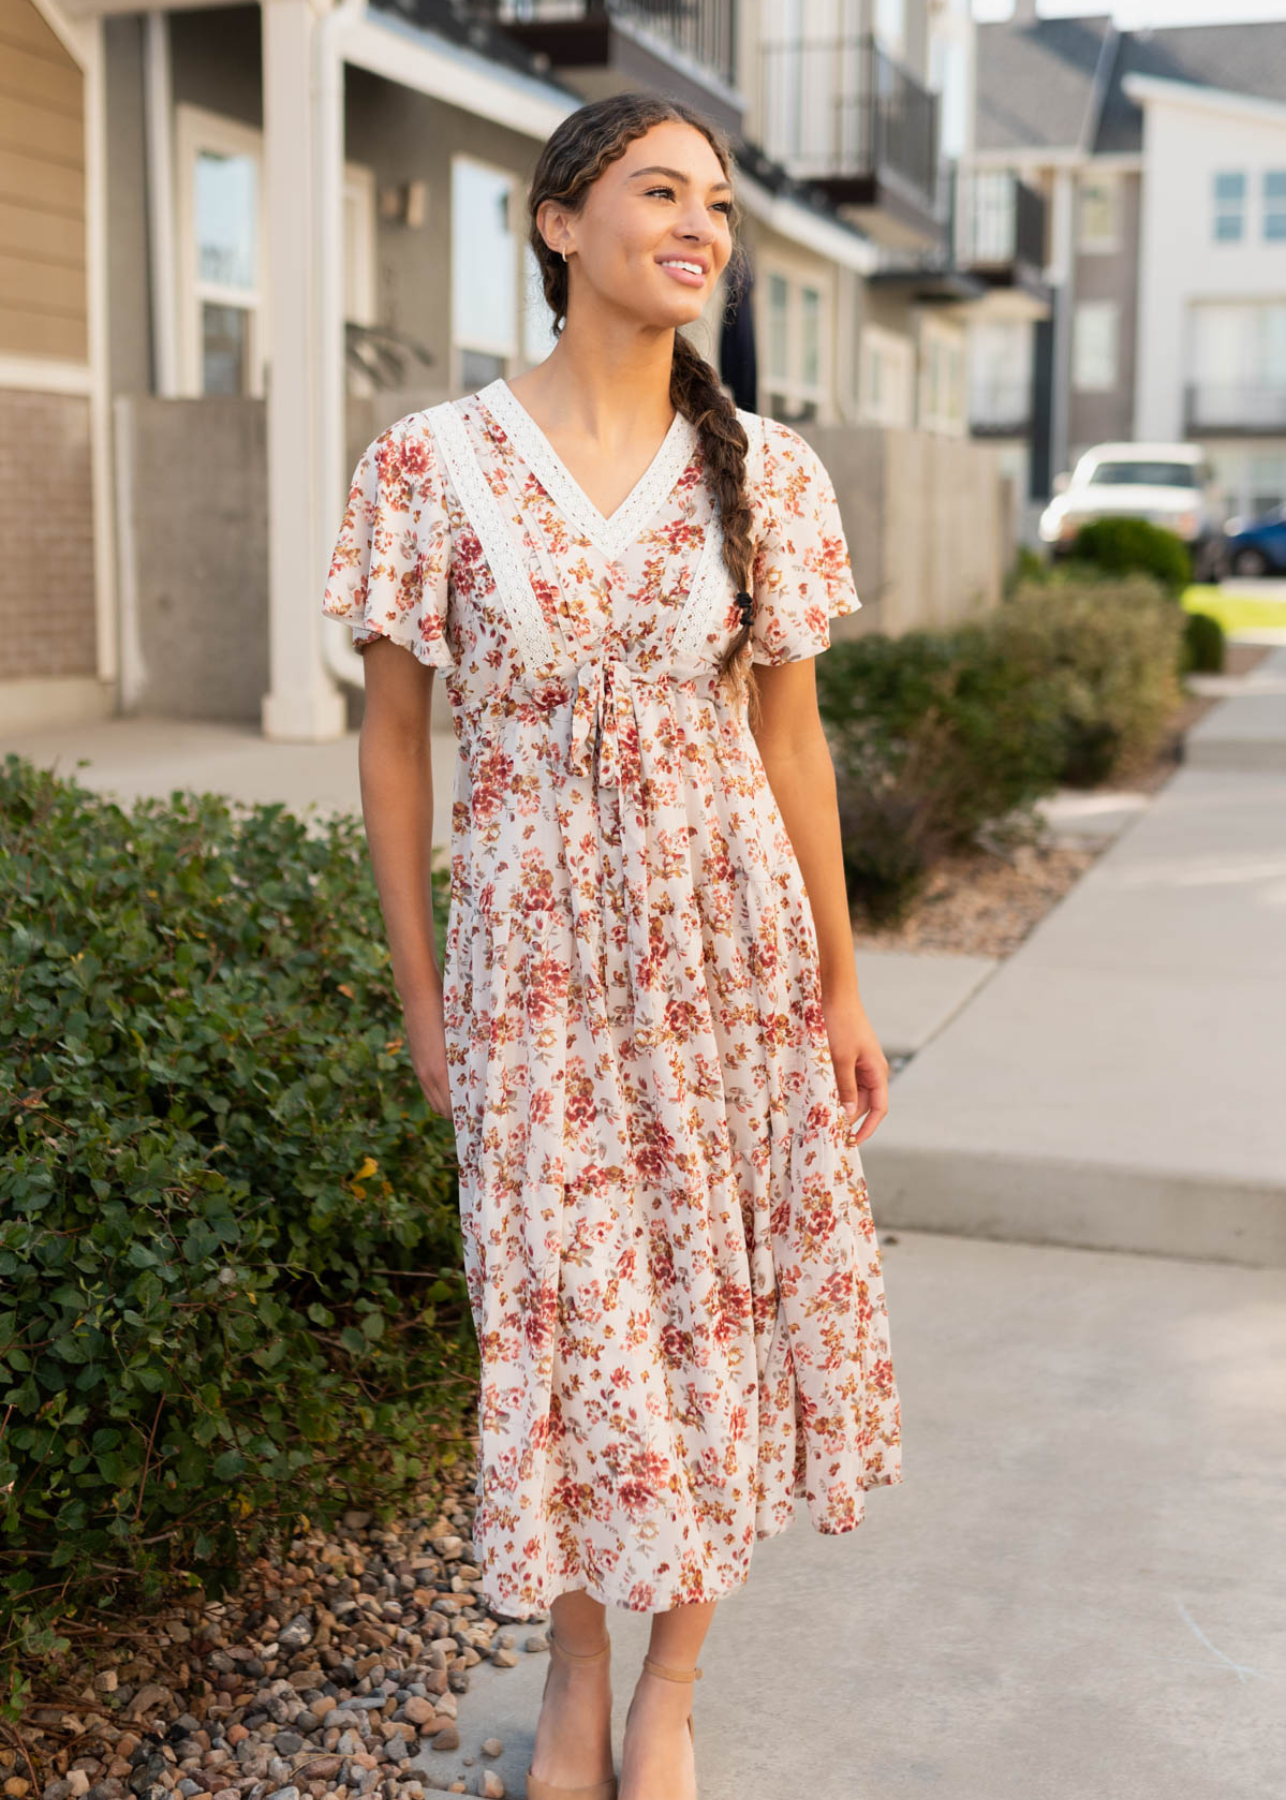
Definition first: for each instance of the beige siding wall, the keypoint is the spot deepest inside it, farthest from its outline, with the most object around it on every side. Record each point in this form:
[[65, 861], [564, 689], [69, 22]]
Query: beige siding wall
[[42, 191]]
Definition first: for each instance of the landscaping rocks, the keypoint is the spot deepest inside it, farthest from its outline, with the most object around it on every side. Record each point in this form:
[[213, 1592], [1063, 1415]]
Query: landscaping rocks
[[323, 1678]]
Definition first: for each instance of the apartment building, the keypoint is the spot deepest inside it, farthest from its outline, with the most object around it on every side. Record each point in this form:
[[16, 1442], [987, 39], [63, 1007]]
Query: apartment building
[[242, 238], [1161, 157]]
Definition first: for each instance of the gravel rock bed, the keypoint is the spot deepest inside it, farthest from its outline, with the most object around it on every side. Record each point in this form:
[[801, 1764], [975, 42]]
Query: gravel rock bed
[[321, 1680]]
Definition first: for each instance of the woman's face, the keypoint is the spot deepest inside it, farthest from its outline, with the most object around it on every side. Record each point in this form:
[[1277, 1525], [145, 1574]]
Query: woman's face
[[664, 203]]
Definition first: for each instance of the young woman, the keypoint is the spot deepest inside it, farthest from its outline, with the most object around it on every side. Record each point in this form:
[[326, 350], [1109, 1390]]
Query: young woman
[[647, 1033]]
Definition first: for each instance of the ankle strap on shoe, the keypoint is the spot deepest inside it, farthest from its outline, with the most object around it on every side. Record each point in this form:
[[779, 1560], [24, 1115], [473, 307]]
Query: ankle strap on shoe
[[577, 1655], [656, 1668]]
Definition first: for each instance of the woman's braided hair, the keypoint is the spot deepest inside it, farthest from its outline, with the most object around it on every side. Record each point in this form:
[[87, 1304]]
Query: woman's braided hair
[[572, 159]]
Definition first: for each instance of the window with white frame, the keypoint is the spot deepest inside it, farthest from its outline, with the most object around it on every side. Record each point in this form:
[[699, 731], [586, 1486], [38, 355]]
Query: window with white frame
[[797, 347], [1237, 354], [223, 294], [886, 377], [1229, 206], [1275, 205], [1098, 212], [942, 395], [484, 271], [1000, 374], [1094, 346], [222, 254]]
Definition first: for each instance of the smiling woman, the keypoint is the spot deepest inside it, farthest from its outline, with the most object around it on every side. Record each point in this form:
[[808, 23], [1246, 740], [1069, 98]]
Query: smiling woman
[[647, 1030]]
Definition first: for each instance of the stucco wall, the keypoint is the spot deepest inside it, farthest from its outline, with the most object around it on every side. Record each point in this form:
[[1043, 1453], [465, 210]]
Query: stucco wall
[[192, 489], [928, 521]]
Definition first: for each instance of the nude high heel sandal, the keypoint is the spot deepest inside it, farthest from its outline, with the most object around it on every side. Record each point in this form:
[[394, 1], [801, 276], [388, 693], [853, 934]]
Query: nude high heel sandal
[[546, 1790], [656, 1668]]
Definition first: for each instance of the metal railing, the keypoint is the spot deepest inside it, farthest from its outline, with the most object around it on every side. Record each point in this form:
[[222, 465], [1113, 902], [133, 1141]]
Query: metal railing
[[996, 219], [834, 107], [1234, 406], [704, 30]]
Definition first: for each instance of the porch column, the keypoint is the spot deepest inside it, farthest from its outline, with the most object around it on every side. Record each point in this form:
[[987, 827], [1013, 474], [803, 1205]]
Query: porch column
[[303, 702]]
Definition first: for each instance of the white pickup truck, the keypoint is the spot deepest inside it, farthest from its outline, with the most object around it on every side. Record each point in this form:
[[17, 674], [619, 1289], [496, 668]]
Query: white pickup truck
[[1167, 484]]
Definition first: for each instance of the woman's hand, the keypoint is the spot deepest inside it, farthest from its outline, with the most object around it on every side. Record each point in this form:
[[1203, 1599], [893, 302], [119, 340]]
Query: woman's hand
[[861, 1067], [427, 1042]]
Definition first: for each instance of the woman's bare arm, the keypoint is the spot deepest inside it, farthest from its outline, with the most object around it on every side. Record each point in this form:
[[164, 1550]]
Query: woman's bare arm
[[395, 767], [797, 761]]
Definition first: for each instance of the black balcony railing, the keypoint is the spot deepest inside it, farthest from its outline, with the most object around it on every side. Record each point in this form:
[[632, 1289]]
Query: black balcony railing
[[997, 220], [1235, 406], [841, 107], [702, 29]]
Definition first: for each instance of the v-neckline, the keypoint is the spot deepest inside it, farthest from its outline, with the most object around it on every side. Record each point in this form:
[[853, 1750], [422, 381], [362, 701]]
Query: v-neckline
[[611, 532]]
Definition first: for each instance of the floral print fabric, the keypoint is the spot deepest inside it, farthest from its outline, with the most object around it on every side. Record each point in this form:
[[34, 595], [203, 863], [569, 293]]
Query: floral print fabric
[[669, 1249]]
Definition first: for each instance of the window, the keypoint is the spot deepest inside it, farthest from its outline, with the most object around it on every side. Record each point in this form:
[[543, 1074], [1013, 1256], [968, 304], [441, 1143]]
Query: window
[[810, 305], [1099, 203], [942, 398], [885, 377], [796, 363], [1275, 205], [484, 271], [1230, 206], [1237, 353], [222, 261], [1144, 474], [1000, 374], [1094, 346], [778, 327], [223, 265]]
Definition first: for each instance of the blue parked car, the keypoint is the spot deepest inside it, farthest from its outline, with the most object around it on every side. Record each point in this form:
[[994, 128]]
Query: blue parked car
[[1258, 546]]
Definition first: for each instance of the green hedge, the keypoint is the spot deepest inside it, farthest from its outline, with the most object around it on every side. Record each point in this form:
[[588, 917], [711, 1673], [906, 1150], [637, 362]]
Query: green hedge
[[1127, 546], [230, 1262], [946, 739]]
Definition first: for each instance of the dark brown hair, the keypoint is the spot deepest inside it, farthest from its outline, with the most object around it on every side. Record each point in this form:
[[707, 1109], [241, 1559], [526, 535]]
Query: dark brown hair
[[573, 158]]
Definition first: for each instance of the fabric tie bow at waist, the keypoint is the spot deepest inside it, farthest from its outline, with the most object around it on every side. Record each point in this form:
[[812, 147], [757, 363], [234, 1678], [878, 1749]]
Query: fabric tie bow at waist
[[603, 715]]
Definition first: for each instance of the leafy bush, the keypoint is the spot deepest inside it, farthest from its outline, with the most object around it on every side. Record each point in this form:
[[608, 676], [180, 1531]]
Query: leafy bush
[[934, 741], [1204, 644], [1028, 565], [230, 1263], [1123, 546], [945, 739], [1111, 652]]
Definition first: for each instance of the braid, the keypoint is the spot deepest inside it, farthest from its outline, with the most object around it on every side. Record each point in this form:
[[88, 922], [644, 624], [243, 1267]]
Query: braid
[[572, 159], [697, 394]]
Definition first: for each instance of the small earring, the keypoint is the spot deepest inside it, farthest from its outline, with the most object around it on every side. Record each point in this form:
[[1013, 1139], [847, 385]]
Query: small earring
[[563, 255]]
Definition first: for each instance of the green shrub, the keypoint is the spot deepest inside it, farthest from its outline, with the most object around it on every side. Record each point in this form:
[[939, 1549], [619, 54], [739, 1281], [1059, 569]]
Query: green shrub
[[1122, 546], [1028, 565], [934, 741], [946, 739], [1204, 644], [1111, 651], [230, 1266]]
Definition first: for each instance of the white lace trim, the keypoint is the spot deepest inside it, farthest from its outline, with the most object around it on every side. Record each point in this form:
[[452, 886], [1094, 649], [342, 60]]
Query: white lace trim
[[711, 587], [535, 641], [611, 536]]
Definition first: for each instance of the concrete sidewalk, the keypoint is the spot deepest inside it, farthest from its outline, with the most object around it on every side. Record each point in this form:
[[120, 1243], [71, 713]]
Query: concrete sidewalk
[[1077, 1593], [1119, 1082]]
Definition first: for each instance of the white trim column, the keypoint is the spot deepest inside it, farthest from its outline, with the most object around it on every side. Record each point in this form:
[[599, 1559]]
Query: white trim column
[[303, 704]]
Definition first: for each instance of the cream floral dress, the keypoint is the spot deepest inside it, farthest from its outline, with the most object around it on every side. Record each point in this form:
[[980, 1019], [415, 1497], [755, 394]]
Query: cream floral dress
[[672, 1267]]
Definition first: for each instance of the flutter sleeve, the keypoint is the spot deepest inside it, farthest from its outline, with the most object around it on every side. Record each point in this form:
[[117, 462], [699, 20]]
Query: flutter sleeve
[[802, 576], [389, 574]]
